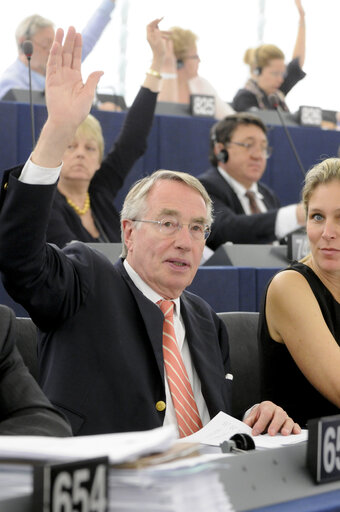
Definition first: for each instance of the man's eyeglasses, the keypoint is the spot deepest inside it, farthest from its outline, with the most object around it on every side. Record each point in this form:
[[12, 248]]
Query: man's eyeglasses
[[169, 227], [251, 146]]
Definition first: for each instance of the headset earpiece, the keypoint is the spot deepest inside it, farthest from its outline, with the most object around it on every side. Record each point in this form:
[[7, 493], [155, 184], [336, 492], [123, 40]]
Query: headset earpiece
[[222, 156], [257, 68]]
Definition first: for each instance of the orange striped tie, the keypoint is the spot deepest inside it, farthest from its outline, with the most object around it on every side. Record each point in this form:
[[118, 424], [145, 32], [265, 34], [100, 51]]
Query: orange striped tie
[[187, 414]]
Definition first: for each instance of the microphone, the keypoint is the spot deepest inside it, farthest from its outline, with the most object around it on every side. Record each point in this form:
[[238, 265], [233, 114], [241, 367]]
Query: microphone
[[275, 103], [239, 443], [27, 48]]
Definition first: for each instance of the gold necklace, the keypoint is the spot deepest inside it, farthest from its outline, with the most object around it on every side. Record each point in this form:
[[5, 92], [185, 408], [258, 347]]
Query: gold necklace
[[84, 209]]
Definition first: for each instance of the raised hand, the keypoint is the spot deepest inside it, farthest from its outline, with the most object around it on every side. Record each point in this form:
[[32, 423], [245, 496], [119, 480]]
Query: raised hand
[[68, 99], [298, 4], [156, 38]]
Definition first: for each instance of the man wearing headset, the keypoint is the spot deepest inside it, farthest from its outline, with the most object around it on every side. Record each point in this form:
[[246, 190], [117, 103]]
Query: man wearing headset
[[246, 211]]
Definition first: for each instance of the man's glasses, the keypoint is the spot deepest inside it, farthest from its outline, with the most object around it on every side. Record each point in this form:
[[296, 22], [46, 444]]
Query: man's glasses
[[170, 226], [252, 146]]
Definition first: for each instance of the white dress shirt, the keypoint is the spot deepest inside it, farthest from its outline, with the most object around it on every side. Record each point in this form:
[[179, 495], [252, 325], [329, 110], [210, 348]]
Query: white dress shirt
[[170, 415]]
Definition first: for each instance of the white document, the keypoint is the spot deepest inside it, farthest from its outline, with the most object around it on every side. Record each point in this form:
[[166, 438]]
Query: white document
[[219, 429], [223, 426]]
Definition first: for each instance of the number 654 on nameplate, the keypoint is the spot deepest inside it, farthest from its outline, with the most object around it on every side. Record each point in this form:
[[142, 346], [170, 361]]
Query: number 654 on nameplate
[[73, 486]]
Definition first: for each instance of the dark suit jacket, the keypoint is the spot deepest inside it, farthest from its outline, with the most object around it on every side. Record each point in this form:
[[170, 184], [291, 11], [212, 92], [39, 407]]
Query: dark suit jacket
[[101, 338], [24, 410], [65, 224], [231, 223]]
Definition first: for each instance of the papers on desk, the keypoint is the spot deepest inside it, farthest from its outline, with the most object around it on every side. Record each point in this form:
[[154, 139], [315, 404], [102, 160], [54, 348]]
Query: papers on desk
[[177, 486], [190, 484], [131, 445], [118, 447], [15, 480], [223, 426]]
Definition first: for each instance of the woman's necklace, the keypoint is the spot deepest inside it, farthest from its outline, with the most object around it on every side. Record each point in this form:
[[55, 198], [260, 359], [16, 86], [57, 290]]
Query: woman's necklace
[[84, 209]]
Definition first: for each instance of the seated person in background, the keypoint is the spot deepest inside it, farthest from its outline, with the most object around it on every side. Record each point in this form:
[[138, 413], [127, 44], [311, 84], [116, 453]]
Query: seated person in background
[[180, 76], [101, 351], [40, 31], [24, 409], [246, 211], [299, 330], [269, 75], [83, 206]]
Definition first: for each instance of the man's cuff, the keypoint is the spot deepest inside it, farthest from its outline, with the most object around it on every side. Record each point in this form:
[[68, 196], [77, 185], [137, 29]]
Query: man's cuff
[[286, 221], [33, 174], [248, 411]]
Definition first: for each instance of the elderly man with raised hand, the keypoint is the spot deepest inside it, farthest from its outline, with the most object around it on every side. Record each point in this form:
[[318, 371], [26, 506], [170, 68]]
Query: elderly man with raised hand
[[117, 342]]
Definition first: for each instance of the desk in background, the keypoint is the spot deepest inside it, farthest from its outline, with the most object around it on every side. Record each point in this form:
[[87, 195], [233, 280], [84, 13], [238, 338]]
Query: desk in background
[[232, 288], [224, 288], [178, 143]]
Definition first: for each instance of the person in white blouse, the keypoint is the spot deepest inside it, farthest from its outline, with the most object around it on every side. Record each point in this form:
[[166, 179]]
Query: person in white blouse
[[180, 77]]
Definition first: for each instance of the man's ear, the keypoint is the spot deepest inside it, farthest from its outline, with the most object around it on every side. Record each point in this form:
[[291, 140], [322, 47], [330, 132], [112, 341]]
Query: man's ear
[[128, 230], [21, 45], [218, 147]]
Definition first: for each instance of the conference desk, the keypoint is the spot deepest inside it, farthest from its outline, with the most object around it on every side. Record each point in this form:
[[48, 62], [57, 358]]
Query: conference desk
[[178, 143], [274, 480], [232, 288]]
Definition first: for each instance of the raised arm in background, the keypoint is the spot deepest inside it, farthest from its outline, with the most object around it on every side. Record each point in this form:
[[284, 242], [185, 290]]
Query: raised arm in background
[[300, 43]]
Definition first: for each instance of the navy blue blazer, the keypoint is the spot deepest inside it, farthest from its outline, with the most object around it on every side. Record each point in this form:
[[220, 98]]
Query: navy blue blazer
[[100, 345], [231, 223]]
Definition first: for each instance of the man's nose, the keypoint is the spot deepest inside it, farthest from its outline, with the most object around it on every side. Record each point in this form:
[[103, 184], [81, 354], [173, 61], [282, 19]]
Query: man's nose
[[183, 237]]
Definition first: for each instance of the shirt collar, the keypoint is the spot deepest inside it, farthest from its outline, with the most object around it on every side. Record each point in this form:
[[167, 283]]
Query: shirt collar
[[146, 289], [239, 189]]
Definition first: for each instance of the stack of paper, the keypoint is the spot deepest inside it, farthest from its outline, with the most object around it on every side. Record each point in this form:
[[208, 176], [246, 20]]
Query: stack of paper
[[15, 480], [152, 485], [179, 486]]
